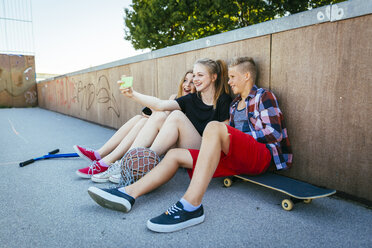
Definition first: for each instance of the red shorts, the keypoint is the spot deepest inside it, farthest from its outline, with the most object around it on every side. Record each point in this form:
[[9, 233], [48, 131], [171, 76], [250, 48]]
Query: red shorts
[[246, 156]]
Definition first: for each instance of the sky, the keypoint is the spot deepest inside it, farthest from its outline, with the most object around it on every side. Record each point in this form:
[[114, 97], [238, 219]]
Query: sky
[[71, 35]]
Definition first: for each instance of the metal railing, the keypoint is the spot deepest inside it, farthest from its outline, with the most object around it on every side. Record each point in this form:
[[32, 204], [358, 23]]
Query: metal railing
[[16, 27]]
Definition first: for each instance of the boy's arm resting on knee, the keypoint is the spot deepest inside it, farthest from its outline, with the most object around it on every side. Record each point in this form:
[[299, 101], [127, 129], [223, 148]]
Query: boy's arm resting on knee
[[155, 103], [269, 120]]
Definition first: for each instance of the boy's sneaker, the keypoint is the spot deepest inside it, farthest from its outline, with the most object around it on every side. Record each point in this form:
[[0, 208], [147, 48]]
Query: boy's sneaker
[[86, 153], [112, 198], [91, 170], [103, 177], [176, 218], [115, 178]]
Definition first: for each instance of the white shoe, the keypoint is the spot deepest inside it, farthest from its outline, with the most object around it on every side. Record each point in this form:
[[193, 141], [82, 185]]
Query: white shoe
[[103, 177], [115, 178]]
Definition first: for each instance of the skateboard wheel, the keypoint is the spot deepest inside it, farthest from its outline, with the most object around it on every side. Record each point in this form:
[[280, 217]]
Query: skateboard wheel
[[308, 201], [287, 204], [227, 182]]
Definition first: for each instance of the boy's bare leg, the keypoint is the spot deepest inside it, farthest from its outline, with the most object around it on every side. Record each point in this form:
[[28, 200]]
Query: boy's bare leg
[[176, 130], [125, 143], [215, 139], [115, 140], [162, 173], [148, 133]]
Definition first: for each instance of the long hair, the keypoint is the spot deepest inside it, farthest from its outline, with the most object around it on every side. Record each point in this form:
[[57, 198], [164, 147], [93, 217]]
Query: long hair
[[217, 67], [180, 88]]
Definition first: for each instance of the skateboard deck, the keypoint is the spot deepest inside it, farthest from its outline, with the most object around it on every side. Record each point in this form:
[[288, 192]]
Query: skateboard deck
[[297, 190]]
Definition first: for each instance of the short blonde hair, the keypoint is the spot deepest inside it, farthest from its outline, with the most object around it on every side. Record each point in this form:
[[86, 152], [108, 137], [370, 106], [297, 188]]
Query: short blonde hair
[[245, 64]]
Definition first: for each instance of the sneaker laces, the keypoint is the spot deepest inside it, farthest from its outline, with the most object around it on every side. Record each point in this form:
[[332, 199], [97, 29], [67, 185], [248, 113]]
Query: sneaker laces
[[94, 167], [112, 167], [172, 210]]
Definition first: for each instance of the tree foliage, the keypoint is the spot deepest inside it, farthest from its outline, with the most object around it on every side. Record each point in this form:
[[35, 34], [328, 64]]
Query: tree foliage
[[156, 24]]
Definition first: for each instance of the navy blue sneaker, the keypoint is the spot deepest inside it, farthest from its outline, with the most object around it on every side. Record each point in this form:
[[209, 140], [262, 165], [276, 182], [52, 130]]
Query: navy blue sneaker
[[176, 218], [112, 198]]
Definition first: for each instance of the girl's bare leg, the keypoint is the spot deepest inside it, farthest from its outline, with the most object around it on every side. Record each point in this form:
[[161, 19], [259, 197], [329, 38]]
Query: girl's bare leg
[[176, 130], [162, 173], [125, 143], [215, 139], [115, 140], [151, 129]]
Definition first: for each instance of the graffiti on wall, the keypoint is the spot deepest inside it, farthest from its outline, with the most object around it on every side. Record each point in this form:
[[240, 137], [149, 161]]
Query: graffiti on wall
[[335, 13], [68, 92], [30, 97], [88, 94], [17, 80]]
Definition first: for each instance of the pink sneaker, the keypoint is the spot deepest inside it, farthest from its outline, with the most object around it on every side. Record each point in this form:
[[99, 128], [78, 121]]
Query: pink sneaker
[[91, 170], [88, 154]]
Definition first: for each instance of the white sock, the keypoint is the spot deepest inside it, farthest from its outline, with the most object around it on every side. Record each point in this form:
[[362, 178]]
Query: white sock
[[97, 155], [122, 190], [187, 206], [103, 163]]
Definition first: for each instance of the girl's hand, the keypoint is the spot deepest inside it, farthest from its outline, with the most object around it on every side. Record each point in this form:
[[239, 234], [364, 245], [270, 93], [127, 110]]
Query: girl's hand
[[127, 91]]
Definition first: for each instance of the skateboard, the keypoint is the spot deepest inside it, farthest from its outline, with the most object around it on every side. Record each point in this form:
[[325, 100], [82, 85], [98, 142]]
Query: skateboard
[[297, 190]]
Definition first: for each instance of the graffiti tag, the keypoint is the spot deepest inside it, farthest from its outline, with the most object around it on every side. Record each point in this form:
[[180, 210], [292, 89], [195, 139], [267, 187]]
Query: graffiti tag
[[87, 94], [30, 97]]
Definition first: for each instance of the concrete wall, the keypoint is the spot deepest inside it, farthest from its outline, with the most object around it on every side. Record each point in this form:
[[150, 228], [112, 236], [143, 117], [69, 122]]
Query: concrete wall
[[316, 62], [17, 81], [323, 78]]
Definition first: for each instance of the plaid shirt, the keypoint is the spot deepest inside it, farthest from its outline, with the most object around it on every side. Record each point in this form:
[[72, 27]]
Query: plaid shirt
[[265, 123]]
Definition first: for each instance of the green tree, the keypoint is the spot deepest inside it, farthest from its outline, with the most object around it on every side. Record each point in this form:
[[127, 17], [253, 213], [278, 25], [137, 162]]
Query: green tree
[[156, 24]]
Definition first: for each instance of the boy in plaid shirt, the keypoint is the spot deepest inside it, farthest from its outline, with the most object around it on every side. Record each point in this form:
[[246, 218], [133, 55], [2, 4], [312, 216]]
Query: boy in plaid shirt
[[255, 137]]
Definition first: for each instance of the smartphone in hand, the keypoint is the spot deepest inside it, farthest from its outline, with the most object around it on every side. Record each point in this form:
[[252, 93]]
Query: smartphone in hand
[[126, 82]]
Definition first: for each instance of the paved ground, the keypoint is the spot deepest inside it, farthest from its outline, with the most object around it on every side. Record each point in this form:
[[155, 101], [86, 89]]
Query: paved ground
[[46, 205]]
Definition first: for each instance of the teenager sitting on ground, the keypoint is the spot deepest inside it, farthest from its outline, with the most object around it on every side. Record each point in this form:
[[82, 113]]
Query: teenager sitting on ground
[[118, 144], [190, 114], [256, 136]]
